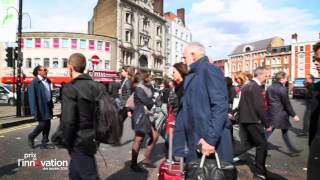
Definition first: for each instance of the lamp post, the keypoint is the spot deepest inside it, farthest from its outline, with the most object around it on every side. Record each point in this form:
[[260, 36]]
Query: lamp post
[[19, 61]]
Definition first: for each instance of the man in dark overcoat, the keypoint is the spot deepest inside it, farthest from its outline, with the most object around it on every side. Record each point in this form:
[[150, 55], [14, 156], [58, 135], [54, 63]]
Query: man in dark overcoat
[[202, 118], [41, 105]]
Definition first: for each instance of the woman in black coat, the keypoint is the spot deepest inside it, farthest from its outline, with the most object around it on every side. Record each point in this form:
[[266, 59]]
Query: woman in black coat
[[141, 122], [279, 109]]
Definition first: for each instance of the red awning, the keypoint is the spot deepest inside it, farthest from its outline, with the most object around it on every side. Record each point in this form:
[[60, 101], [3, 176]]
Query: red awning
[[27, 80]]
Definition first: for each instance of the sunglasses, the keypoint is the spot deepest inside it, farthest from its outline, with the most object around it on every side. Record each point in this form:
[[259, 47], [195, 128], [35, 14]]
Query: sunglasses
[[45, 70]]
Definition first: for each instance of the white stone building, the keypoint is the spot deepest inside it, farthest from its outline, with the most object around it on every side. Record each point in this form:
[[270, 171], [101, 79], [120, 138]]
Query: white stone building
[[140, 29], [178, 36]]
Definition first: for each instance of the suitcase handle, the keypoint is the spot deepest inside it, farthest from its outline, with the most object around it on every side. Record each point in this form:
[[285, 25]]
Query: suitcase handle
[[217, 160], [171, 126]]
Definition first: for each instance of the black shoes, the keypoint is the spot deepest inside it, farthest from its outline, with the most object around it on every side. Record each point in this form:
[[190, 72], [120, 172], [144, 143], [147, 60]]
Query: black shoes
[[31, 142], [137, 168], [294, 153]]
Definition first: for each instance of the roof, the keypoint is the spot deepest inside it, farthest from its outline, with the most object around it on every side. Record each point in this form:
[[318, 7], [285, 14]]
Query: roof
[[170, 16], [254, 46]]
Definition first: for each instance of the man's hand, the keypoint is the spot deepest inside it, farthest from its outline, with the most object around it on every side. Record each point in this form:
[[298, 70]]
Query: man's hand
[[129, 114], [206, 149], [296, 118], [269, 129]]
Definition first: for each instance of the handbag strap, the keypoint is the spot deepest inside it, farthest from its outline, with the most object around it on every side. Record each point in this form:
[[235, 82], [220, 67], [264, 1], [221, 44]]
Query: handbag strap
[[217, 160]]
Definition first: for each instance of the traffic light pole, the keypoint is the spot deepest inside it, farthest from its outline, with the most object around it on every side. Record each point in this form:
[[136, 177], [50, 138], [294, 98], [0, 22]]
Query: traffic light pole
[[19, 62]]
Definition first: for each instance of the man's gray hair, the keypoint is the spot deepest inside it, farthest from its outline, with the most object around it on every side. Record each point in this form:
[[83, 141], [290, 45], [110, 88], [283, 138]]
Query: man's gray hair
[[258, 71], [198, 46]]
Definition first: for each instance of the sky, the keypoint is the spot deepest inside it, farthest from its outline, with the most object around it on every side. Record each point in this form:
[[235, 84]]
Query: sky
[[220, 25]]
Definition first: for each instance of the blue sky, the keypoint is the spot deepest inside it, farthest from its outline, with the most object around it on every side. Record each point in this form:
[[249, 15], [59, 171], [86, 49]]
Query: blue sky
[[220, 24]]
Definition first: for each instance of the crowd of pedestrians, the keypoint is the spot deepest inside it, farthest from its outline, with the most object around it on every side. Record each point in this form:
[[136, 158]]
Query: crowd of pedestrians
[[199, 101]]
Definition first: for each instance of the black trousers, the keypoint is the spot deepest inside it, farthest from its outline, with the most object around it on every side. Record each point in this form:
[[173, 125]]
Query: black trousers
[[314, 160], [123, 114], [44, 127], [253, 135], [82, 166]]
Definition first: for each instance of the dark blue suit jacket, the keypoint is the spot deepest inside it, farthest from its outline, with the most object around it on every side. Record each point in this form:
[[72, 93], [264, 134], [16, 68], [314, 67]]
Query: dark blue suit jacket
[[203, 113], [39, 105]]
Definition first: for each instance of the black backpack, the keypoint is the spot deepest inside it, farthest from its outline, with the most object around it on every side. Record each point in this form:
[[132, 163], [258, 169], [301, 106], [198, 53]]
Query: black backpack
[[106, 123]]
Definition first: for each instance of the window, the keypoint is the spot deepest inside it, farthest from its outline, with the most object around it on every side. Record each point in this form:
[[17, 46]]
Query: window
[[187, 37], [22, 43], [128, 18], [55, 63], [99, 45], [83, 44], [301, 48], [74, 43], [38, 42], [285, 60], [159, 45], [176, 32], [55, 43], [29, 43], [106, 64], [28, 63], [128, 36], [65, 43], [37, 62], [65, 62], [146, 23], [181, 35], [91, 44], [107, 46], [46, 62], [247, 67], [176, 46], [159, 31], [181, 47], [46, 43]]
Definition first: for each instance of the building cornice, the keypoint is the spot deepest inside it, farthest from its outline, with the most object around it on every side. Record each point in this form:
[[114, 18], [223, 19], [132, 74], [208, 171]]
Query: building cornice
[[65, 34], [144, 10]]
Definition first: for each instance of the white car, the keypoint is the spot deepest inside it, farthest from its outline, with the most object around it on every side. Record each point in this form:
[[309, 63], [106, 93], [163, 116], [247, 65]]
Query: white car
[[6, 95]]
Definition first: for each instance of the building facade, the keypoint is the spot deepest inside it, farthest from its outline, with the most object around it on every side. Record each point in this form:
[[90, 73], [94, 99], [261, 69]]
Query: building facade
[[279, 59], [222, 65], [247, 57], [139, 27], [52, 50], [302, 59], [178, 36]]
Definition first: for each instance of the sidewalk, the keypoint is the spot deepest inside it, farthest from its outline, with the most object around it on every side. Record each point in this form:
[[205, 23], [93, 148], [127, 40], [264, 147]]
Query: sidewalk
[[8, 116]]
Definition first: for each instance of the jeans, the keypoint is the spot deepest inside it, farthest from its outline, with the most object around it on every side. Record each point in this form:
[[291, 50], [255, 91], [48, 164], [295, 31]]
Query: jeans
[[285, 137]]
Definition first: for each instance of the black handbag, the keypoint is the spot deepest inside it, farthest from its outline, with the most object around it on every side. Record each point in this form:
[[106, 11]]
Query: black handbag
[[210, 169]]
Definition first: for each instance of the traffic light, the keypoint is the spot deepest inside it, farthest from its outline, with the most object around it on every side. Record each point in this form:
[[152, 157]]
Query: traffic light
[[15, 53], [9, 56]]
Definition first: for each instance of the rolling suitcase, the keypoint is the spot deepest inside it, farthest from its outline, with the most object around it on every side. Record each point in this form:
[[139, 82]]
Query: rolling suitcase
[[170, 170]]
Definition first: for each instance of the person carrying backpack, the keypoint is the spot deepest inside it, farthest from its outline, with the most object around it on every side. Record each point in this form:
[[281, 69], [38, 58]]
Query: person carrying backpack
[[77, 128]]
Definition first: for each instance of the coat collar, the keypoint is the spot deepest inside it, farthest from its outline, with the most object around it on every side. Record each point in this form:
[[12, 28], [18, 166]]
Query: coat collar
[[195, 67], [82, 77]]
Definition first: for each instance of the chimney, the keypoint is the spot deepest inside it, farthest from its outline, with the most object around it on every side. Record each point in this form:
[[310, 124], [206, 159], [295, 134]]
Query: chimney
[[158, 6], [181, 15], [294, 38]]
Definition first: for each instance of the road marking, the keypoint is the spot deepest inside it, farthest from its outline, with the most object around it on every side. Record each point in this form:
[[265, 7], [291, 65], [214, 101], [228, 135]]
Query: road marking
[[1, 136], [18, 138], [3, 131]]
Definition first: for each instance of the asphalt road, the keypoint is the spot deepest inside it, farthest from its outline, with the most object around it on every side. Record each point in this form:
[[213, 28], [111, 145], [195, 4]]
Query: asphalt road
[[14, 147]]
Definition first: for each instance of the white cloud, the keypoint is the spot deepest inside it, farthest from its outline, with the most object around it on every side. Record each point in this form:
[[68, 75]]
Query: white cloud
[[225, 24]]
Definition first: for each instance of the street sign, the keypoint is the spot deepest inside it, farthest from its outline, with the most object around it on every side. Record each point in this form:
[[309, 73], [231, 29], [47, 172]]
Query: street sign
[[95, 59]]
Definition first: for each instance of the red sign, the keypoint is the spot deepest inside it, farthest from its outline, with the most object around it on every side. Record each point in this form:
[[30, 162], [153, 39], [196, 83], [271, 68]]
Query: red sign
[[95, 59], [104, 76]]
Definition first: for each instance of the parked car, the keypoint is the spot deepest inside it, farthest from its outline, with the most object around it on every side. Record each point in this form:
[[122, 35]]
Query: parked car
[[6, 95], [298, 89], [56, 95]]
